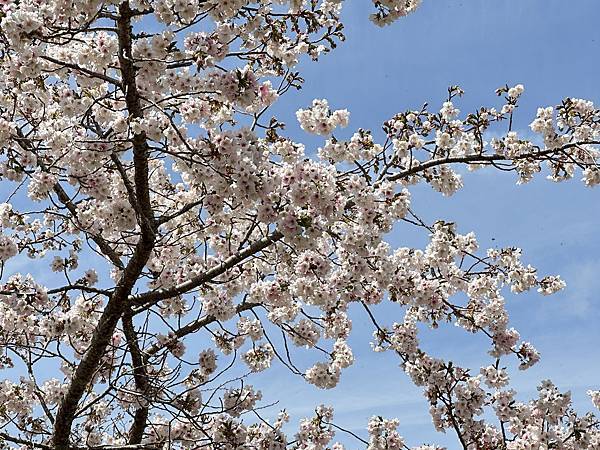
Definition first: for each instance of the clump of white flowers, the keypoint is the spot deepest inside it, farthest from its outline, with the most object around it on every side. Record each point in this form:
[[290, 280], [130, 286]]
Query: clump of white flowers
[[391, 10], [8, 248], [383, 434], [319, 119]]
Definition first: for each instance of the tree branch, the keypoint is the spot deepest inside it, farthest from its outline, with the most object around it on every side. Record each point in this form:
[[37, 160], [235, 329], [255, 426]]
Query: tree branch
[[146, 300], [89, 72], [140, 375], [482, 159], [118, 300], [192, 327]]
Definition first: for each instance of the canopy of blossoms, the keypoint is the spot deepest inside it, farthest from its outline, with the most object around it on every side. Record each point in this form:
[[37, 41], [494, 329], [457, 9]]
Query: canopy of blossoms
[[154, 153]]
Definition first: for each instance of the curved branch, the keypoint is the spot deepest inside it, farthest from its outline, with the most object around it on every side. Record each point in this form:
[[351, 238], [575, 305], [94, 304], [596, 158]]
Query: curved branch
[[89, 72], [194, 326], [482, 159], [146, 300]]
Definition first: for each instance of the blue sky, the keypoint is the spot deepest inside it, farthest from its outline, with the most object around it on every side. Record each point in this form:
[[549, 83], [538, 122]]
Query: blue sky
[[551, 47]]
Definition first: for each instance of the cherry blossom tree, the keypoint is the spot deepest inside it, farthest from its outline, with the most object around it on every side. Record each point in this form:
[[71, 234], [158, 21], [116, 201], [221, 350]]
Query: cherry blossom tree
[[143, 169]]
